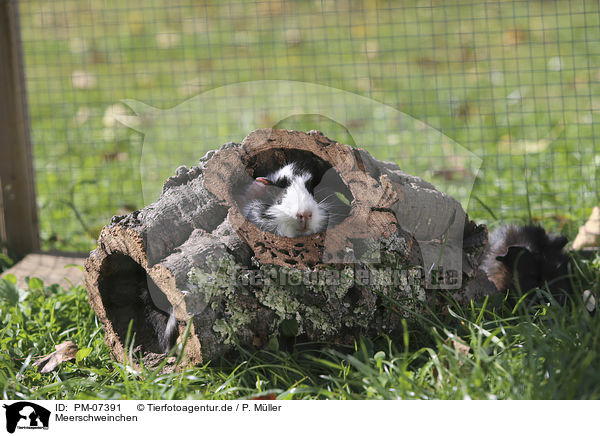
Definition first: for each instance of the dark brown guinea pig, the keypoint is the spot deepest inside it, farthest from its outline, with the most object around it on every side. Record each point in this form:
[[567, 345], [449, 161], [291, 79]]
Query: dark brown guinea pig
[[519, 259]]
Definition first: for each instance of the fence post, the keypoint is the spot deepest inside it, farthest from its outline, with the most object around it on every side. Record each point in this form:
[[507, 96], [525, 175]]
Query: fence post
[[18, 217]]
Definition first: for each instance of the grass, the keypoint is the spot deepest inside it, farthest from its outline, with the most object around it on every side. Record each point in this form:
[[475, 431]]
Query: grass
[[488, 350]]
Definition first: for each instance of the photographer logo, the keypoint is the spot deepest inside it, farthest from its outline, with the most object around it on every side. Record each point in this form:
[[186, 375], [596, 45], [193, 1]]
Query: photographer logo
[[26, 415]]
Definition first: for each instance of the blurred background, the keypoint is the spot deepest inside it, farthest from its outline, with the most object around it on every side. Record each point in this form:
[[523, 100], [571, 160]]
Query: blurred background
[[514, 83]]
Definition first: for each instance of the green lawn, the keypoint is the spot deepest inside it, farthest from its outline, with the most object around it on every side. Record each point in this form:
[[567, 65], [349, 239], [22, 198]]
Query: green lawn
[[543, 352]]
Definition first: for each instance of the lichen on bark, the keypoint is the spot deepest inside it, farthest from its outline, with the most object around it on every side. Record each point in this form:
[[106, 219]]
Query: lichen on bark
[[324, 302]]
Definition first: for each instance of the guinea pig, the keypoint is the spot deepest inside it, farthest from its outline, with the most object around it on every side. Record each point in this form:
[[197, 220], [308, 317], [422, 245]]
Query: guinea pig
[[283, 202], [519, 259], [161, 320]]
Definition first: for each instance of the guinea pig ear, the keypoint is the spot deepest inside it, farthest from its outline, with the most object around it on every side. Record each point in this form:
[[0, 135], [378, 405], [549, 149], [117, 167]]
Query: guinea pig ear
[[558, 242], [514, 254], [263, 180]]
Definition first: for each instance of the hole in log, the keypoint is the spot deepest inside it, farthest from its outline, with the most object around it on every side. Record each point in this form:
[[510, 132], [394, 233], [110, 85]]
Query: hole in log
[[271, 160], [354, 295], [329, 187], [129, 294]]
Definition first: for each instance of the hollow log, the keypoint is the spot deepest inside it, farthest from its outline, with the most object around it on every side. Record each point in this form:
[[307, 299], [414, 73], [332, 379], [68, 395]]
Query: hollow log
[[192, 252]]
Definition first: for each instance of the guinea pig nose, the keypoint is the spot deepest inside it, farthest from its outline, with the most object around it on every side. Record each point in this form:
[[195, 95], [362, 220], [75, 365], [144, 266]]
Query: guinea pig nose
[[304, 219], [304, 215]]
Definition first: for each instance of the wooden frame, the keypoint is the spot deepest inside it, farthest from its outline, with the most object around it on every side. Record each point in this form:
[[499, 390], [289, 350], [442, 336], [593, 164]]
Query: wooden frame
[[19, 228]]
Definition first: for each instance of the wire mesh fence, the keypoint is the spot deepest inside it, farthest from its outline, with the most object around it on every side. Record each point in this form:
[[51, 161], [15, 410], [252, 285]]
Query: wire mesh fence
[[514, 83]]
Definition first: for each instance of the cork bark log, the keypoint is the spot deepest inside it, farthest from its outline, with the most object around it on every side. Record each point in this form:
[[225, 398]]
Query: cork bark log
[[193, 252]]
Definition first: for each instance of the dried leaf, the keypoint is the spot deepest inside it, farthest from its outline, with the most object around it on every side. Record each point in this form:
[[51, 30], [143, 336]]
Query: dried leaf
[[524, 146], [293, 37], [555, 64], [460, 347], [83, 80], [112, 114], [509, 145], [65, 351], [269, 8], [83, 114], [265, 397], [426, 61], [98, 57], [454, 174], [371, 49], [514, 37], [467, 54], [166, 40], [116, 156], [455, 167], [463, 110]]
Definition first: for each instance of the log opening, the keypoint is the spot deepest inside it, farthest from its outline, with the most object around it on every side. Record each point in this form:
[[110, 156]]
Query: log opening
[[329, 186], [129, 295], [344, 169]]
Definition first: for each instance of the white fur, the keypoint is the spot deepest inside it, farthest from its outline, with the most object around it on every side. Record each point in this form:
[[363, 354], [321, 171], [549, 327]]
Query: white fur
[[296, 200], [286, 171]]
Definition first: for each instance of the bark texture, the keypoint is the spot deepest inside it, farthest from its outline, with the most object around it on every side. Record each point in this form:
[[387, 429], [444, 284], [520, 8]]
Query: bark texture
[[401, 243]]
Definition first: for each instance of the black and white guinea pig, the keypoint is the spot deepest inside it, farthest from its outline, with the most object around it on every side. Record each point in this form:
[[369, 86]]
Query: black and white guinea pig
[[284, 203], [519, 259]]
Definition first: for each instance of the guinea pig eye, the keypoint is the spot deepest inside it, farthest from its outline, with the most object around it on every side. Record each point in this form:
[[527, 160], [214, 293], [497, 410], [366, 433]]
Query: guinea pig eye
[[282, 182]]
